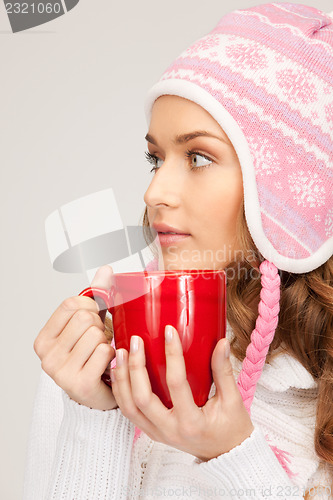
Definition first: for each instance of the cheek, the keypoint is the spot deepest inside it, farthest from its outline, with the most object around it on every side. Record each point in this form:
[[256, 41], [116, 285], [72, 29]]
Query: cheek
[[222, 200]]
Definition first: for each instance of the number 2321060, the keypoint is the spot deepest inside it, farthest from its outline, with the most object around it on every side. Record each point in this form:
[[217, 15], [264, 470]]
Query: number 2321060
[[33, 8]]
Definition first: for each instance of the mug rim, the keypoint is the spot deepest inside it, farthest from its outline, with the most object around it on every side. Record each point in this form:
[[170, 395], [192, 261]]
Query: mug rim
[[178, 272]]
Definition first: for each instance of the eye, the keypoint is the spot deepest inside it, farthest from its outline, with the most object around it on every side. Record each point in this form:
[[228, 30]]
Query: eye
[[195, 162], [153, 159], [199, 161]]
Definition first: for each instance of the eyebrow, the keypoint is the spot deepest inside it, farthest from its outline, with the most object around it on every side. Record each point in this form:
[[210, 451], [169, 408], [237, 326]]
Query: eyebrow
[[181, 139]]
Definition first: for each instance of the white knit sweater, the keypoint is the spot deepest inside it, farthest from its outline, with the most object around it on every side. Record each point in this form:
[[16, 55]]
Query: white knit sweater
[[77, 453]]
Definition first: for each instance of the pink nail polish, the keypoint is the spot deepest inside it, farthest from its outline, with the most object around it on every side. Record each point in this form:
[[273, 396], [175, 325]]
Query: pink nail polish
[[134, 345], [168, 334]]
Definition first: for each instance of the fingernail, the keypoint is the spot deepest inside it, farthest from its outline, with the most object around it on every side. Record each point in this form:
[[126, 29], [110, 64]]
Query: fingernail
[[119, 357], [168, 334], [134, 347], [227, 350]]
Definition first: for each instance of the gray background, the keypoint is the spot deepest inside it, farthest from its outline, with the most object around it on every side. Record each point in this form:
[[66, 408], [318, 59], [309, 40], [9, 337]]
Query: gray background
[[72, 123]]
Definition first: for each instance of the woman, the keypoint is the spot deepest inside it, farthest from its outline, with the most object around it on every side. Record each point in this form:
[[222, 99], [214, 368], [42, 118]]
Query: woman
[[262, 83]]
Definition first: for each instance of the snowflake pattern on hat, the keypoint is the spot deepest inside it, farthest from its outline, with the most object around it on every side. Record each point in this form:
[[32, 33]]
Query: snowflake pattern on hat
[[244, 55], [309, 189], [266, 159], [297, 86], [206, 43]]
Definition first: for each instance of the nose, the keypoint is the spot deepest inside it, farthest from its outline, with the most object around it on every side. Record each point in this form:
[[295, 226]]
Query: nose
[[166, 187]]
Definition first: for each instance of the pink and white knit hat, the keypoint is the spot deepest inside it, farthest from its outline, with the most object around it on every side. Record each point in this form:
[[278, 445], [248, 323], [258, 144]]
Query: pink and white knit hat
[[265, 74]]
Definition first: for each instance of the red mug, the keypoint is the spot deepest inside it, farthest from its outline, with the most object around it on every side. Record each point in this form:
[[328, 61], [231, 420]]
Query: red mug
[[192, 301]]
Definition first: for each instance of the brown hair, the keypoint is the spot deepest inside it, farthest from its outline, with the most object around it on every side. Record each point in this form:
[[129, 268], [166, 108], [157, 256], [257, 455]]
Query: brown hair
[[306, 310]]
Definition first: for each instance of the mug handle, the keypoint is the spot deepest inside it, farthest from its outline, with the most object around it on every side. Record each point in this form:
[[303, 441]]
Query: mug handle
[[106, 295]]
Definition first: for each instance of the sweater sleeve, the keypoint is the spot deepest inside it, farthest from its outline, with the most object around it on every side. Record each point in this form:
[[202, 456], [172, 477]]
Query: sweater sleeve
[[74, 452], [250, 469]]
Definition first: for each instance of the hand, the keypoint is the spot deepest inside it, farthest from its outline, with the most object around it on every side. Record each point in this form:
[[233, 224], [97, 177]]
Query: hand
[[74, 350], [205, 432]]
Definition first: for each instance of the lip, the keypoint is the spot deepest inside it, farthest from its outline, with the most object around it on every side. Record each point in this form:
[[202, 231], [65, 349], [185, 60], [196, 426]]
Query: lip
[[171, 239], [164, 228]]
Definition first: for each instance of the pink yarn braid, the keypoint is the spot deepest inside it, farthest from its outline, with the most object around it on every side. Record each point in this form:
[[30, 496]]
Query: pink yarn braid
[[263, 334], [261, 338]]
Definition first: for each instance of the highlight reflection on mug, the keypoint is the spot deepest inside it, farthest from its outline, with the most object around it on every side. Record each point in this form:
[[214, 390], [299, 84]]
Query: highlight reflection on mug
[[23, 15]]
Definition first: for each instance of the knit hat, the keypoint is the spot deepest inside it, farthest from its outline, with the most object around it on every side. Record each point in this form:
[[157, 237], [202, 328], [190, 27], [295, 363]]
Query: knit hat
[[265, 74]]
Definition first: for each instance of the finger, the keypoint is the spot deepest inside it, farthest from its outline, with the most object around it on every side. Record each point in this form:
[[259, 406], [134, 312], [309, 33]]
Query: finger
[[59, 353], [98, 361], [122, 390], [103, 278], [226, 386], [86, 346], [179, 388], [60, 319], [76, 328], [143, 397]]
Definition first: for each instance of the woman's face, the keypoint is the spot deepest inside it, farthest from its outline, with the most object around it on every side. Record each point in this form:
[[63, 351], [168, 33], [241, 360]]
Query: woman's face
[[201, 202]]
